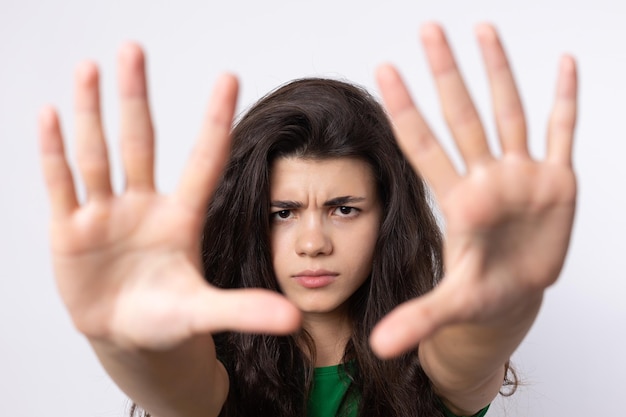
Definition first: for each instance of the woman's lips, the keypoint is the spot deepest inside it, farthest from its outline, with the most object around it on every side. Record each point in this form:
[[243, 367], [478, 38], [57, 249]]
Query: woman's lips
[[315, 279]]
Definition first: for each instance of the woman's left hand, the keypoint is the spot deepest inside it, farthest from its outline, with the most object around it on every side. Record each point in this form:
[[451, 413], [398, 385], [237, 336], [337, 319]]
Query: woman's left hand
[[508, 219]]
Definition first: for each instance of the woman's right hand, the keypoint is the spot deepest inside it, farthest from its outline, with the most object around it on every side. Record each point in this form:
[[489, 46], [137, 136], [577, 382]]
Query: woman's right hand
[[128, 266]]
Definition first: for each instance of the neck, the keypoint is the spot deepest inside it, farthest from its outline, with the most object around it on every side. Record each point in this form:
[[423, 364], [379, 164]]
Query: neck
[[330, 336]]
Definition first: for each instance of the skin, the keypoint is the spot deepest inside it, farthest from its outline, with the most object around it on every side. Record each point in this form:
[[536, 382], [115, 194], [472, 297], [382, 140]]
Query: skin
[[508, 222], [127, 266], [325, 220]]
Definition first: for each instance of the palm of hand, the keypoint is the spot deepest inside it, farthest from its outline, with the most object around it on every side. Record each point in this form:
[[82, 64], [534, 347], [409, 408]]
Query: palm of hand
[[128, 266], [507, 230], [508, 220]]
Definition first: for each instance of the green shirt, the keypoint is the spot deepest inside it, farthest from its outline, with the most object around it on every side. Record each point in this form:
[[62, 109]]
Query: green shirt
[[330, 386]]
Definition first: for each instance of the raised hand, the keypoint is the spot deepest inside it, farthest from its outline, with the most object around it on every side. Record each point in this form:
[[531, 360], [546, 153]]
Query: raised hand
[[128, 265], [508, 220]]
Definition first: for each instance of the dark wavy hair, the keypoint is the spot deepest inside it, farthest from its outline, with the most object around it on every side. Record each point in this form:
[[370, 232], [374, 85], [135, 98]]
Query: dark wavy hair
[[321, 119]]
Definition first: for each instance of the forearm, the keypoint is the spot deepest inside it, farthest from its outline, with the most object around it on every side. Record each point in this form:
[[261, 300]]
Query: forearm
[[466, 362], [185, 381]]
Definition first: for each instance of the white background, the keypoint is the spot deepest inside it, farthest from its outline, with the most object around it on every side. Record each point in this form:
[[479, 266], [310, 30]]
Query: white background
[[572, 363]]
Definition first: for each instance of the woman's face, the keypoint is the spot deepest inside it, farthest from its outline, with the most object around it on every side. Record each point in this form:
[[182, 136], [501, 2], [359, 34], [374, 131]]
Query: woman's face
[[325, 217]]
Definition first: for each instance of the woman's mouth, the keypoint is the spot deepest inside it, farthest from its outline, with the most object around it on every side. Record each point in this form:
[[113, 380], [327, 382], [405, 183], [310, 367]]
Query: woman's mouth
[[315, 278]]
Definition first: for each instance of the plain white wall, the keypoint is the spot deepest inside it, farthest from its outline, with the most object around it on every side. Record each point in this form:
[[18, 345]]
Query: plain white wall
[[572, 362]]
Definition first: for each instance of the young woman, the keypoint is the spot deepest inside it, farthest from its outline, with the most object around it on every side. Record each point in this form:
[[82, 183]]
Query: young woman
[[318, 203], [319, 248]]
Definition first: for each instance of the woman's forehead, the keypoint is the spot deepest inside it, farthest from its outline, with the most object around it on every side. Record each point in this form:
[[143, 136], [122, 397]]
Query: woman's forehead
[[331, 176]]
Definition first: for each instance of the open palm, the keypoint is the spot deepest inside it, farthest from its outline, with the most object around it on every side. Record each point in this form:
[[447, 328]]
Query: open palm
[[128, 266], [508, 219]]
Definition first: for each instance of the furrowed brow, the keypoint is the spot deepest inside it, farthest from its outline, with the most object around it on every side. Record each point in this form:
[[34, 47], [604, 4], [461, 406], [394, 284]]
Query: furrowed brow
[[286, 204], [343, 201]]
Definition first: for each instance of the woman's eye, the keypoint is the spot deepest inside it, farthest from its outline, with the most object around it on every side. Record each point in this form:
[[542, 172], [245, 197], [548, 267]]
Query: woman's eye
[[281, 215], [346, 211]]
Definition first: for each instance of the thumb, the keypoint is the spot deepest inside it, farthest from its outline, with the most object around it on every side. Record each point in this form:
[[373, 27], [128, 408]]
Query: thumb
[[243, 310], [409, 323]]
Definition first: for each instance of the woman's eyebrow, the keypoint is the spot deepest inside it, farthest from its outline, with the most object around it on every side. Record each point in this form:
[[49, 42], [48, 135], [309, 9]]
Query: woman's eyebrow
[[333, 202], [286, 204], [344, 200]]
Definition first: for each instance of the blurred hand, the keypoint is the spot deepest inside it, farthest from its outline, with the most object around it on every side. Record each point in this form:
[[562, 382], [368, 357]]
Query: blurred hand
[[508, 219], [128, 266]]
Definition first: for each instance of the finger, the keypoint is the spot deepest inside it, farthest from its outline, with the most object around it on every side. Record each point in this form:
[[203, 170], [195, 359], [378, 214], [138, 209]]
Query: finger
[[457, 105], [408, 324], [137, 135], [91, 148], [249, 311], [413, 134], [509, 113], [212, 147], [563, 119], [57, 174]]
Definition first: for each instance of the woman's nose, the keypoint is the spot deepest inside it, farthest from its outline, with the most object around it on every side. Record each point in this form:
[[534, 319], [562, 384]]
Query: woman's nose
[[313, 239]]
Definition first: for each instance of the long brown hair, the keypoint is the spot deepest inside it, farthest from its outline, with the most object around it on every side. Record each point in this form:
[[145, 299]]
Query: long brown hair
[[319, 119]]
